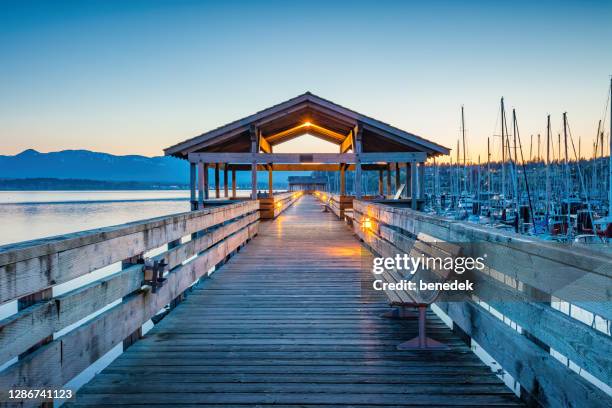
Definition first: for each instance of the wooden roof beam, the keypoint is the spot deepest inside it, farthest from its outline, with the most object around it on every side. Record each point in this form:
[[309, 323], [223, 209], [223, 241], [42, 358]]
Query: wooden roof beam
[[347, 143], [306, 167], [304, 128], [264, 145], [296, 158]]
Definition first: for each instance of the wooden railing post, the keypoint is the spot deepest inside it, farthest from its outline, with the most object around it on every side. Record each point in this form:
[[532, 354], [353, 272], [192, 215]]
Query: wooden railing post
[[136, 334], [27, 301]]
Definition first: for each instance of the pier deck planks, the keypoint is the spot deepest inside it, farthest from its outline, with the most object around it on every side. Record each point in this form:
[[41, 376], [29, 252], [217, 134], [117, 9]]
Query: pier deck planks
[[292, 321]]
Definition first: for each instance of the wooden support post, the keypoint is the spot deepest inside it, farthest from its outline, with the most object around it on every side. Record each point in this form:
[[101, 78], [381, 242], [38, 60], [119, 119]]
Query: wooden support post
[[389, 179], [342, 179], [358, 180], [254, 181], [30, 300], [225, 187], [233, 183], [414, 179], [217, 190], [206, 183], [132, 338], [201, 171], [192, 186], [254, 150], [358, 149], [398, 180], [422, 180], [380, 182], [136, 334], [408, 188], [270, 181]]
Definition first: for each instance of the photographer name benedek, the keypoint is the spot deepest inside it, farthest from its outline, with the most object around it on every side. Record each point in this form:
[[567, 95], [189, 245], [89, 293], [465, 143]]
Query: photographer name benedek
[[423, 285]]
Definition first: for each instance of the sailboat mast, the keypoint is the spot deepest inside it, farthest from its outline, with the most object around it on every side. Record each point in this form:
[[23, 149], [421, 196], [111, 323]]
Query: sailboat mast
[[503, 144], [610, 158], [517, 202], [434, 186], [548, 138], [595, 179], [601, 138], [464, 160], [478, 189], [489, 177], [567, 173], [458, 177]]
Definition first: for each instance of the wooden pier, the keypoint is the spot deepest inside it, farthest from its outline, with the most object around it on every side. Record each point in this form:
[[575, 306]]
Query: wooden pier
[[290, 317], [293, 320]]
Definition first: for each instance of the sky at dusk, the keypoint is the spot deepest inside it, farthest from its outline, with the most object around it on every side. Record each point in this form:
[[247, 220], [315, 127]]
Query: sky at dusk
[[133, 77]]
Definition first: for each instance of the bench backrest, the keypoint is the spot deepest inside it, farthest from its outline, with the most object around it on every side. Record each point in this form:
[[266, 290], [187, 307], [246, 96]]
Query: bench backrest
[[424, 246]]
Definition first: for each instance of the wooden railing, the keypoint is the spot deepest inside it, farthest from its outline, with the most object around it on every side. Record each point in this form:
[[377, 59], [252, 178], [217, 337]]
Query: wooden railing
[[338, 204], [522, 279], [271, 207], [190, 244]]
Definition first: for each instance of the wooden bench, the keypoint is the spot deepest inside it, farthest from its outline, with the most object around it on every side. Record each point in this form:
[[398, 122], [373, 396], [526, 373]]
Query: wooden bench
[[428, 247], [349, 217]]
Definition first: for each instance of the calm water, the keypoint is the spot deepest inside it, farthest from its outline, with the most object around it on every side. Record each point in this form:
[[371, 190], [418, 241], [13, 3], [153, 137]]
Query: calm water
[[27, 215]]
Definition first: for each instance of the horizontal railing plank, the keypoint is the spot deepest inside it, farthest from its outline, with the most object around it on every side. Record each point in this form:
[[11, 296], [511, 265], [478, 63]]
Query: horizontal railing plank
[[25, 270], [56, 363], [589, 348], [545, 378], [25, 329], [576, 275]]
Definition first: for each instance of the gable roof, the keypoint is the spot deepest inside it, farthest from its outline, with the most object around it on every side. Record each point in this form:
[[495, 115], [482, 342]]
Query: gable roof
[[344, 117]]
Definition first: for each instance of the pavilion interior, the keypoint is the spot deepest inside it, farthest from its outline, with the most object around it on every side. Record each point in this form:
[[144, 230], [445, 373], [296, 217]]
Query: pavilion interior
[[363, 143]]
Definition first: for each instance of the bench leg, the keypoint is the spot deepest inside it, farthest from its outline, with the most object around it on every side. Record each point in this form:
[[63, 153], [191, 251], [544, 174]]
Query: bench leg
[[422, 342], [399, 312]]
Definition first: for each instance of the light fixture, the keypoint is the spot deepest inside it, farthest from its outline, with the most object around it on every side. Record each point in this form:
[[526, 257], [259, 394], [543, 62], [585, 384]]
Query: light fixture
[[366, 223], [307, 124], [279, 205]]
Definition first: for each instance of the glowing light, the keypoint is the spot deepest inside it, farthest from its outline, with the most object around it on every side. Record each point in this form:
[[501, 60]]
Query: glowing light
[[279, 204], [366, 223], [307, 124]]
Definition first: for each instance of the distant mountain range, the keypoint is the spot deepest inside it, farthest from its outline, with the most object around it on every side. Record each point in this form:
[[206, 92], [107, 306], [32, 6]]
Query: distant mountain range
[[88, 165]]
